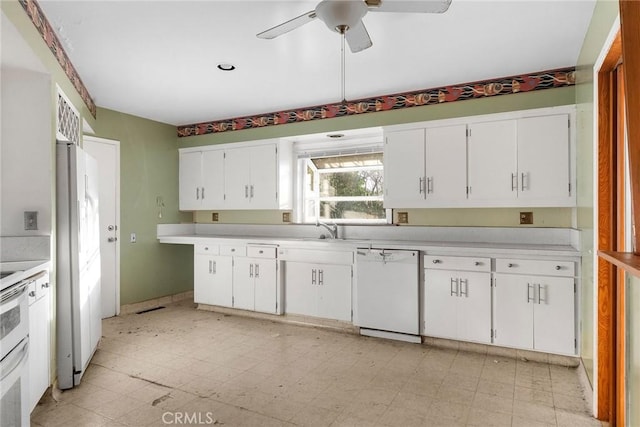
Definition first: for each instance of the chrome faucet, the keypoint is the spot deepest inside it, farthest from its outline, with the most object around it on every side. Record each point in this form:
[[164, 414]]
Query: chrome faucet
[[333, 228]]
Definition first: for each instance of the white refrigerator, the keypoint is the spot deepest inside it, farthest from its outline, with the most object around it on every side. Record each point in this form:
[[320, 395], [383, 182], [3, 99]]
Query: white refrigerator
[[78, 308]]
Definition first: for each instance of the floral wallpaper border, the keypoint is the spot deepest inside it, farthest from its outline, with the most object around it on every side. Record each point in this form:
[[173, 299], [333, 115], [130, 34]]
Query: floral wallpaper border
[[32, 8], [481, 89]]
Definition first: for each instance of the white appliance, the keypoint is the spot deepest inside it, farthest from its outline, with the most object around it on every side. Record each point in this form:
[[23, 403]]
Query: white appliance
[[387, 299], [14, 351], [78, 305]]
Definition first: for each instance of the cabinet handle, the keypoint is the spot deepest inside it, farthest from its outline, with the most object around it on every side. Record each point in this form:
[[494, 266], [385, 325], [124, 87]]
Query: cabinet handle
[[477, 263], [529, 299], [214, 267], [250, 270], [197, 193], [44, 285], [202, 193], [540, 299], [246, 191], [252, 191], [420, 185], [32, 293], [320, 277], [451, 291], [436, 261], [558, 267], [430, 185], [522, 176], [514, 187], [511, 265], [209, 266], [313, 276], [257, 271], [466, 287]]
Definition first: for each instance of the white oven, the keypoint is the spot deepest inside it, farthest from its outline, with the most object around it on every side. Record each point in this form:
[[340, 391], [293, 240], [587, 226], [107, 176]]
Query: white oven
[[14, 349]]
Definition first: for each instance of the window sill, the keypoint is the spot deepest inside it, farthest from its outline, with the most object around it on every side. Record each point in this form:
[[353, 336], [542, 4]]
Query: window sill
[[628, 261]]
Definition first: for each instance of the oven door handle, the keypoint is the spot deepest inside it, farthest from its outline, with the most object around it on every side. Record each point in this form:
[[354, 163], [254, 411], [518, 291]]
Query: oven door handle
[[14, 359], [14, 293]]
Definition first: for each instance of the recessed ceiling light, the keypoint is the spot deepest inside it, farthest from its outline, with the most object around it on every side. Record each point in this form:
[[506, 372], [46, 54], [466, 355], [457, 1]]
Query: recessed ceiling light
[[335, 135], [226, 67]]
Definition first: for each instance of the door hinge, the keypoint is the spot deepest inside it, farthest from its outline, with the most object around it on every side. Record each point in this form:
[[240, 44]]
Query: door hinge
[[224, 197], [233, 300], [352, 272], [495, 334], [224, 155], [569, 123], [569, 188], [467, 191], [468, 132], [575, 344], [491, 333], [575, 287]]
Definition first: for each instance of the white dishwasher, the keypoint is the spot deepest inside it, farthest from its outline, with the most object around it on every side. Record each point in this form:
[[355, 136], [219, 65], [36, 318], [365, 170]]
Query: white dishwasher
[[387, 299]]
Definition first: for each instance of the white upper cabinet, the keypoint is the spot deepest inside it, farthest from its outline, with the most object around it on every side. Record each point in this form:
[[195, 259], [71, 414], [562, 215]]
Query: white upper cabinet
[[251, 175], [201, 180], [425, 167], [501, 160]]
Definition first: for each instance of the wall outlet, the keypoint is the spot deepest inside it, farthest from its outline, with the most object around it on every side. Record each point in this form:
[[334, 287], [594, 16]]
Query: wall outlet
[[215, 216], [403, 217], [133, 238], [526, 217], [286, 216], [31, 220]]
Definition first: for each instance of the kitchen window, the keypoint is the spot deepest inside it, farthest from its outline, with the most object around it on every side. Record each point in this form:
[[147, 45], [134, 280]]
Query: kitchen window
[[343, 188]]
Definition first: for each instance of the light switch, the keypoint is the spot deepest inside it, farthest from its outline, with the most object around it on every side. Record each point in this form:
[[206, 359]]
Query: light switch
[[31, 220], [133, 238]]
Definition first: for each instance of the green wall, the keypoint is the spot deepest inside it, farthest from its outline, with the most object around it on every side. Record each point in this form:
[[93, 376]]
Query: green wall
[[148, 169], [604, 15]]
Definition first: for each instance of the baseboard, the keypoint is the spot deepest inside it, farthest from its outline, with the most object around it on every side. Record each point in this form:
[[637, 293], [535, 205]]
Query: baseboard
[[155, 302]]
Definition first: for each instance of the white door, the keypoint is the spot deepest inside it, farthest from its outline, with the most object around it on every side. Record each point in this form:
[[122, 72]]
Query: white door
[[474, 307], [492, 161], [446, 165], [236, 178], [243, 283], [107, 154], [202, 289], [264, 273], [264, 177], [300, 288], [212, 191], [513, 310], [543, 159], [404, 184], [190, 180], [554, 326], [334, 291], [440, 303]]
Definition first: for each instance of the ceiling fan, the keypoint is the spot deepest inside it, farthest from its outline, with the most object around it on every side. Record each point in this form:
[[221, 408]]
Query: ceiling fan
[[345, 17]]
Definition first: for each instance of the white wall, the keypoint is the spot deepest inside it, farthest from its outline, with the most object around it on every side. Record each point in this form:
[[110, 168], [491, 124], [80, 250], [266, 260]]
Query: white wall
[[25, 151]]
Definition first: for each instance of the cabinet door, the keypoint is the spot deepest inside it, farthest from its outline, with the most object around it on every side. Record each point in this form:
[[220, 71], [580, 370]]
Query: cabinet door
[[334, 292], [265, 273], [202, 290], [474, 307], [190, 180], [264, 177], [440, 303], [404, 169], [236, 178], [543, 159], [492, 161], [243, 283], [39, 348], [446, 165], [554, 314], [300, 288], [513, 310], [220, 282], [212, 192]]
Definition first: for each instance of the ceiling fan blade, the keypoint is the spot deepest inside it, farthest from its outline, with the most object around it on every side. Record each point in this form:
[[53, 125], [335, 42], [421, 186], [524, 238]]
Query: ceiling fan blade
[[358, 38], [408, 6], [285, 27]]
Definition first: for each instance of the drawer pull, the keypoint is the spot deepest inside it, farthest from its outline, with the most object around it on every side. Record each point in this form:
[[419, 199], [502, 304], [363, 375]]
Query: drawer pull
[[260, 251], [436, 261], [32, 294], [478, 263], [558, 267], [233, 250], [510, 265]]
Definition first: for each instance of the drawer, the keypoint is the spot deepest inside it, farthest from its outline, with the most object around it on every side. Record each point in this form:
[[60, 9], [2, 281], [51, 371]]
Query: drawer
[[206, 249], [235, 250], [539, 267], [261, 252], [317, 256], [457, 263]]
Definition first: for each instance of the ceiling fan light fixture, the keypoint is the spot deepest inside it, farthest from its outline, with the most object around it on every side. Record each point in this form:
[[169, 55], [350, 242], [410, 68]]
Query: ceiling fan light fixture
[[340, 15]]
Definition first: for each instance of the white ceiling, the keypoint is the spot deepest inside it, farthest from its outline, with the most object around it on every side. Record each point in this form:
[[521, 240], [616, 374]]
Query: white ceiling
[[157, 59]]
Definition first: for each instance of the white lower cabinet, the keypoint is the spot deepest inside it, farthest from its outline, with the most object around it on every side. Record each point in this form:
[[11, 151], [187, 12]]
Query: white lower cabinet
[[212, 277], [318, 290], [255, 280], [457, 303], [535, 311], [39, 338]]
